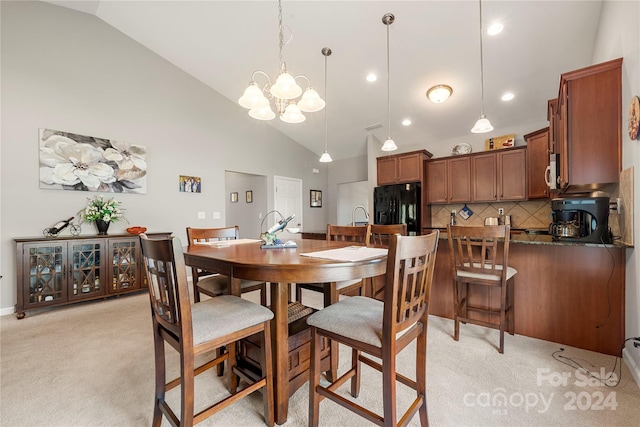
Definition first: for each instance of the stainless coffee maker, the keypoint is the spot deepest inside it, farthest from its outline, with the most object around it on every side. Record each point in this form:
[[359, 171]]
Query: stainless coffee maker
[[580, 219]]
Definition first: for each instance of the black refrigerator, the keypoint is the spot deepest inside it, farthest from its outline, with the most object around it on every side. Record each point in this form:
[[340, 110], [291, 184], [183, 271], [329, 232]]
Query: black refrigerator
[[398, 204]]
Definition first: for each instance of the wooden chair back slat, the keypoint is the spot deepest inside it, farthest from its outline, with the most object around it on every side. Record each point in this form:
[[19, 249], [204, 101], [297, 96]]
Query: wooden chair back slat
[[379, 233], [347, 233], [410, 266], [479, 249]]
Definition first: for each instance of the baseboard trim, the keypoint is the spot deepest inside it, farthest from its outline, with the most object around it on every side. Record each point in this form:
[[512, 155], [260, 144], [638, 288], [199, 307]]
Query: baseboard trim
[[631, 364], [8, 310]]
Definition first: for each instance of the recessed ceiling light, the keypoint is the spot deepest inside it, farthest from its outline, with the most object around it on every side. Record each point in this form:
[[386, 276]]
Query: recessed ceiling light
[[406, 122], [372, 78], [495, 28], [508, 96], [439, 93]]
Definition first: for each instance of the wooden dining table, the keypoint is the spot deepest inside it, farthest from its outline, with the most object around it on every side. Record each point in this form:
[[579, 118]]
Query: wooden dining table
[[282, 267]]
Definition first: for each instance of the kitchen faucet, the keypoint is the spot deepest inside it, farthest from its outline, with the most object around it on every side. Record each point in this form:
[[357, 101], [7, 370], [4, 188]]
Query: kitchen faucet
[[353, 214]]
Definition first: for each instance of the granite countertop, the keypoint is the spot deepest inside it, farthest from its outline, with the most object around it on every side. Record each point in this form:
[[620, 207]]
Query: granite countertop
[[541, 237]]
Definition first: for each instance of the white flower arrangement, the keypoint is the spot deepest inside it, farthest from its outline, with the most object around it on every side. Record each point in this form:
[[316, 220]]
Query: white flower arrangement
[[100, 209]]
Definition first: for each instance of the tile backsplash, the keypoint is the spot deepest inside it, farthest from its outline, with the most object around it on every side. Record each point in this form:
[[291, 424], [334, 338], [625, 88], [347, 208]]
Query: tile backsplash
[[533, 214]]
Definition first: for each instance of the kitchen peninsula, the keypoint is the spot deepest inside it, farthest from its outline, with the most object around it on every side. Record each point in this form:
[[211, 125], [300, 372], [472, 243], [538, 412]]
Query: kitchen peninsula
[[569, 293]]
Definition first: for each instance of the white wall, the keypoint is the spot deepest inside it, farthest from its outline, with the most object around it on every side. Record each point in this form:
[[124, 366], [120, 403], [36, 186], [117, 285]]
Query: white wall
[[69, 71], [618, 36]]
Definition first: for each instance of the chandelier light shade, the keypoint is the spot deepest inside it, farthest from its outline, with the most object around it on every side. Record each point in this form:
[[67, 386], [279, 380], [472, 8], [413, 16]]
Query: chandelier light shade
[[439, 93], [326, 157], [283, 94], [389, 144], [482, 125]]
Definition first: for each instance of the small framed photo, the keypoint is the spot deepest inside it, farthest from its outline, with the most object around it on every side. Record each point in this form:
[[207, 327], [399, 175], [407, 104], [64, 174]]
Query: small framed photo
[[249, 196], [316, 199], [234, 197]]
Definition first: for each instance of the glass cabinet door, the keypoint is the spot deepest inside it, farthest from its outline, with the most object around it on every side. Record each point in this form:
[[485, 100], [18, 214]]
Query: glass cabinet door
[[123, 265], [46, 271], [87, 272]]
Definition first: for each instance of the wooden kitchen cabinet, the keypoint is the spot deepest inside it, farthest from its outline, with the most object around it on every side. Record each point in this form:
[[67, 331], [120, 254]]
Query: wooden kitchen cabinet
[[484, 172], [59, 271], [499, 175], [402, 168], [512, 181], [537, 161], [588, 126], [448, 180]]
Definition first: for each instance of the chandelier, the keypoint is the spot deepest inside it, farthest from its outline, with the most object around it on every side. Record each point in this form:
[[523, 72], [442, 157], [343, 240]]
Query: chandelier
[[283, 93]]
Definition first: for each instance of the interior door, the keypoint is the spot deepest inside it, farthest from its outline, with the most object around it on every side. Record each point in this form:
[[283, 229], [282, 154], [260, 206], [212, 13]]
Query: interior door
[[288, 201]]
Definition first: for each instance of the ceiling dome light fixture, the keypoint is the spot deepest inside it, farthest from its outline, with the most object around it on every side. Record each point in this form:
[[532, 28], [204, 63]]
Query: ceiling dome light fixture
[[508, 96], [495, 28], [482, 125], [283, 93], [439, 93], [388, 145], [326, 157]]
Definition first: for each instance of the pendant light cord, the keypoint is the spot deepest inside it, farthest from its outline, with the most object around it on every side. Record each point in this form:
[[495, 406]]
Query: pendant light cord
[[280, 30], [326, 126], [481, 65], [388, 85]]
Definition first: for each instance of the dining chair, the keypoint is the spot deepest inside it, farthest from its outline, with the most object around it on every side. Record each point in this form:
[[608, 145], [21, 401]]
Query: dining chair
[[340, 233], [196, 330], [381, 329], [214, 284], [479, 255], [379, 236]]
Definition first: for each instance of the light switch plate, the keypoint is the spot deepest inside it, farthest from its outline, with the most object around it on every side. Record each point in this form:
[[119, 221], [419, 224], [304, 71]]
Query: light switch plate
[[201, 215], [216, 215]]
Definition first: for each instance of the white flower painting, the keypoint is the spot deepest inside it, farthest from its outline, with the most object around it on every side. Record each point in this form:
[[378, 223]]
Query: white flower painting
[[69, 161]]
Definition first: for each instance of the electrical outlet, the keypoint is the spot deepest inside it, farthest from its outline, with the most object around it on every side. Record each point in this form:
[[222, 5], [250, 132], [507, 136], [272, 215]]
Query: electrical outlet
[[500, 211]]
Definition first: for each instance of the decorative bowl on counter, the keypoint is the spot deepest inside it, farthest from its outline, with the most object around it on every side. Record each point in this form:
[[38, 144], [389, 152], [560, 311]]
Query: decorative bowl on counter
[[293, 229], [136, 230]]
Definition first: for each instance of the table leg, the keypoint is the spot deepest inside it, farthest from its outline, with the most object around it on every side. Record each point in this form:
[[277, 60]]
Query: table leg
[[280, 348], [332, 297]]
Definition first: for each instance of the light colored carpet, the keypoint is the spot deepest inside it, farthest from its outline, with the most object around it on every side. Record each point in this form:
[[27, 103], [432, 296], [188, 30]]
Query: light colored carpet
[[92, 365]]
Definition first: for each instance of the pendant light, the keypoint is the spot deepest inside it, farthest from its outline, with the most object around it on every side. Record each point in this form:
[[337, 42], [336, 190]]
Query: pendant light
[[388, 145], [482, 125], [325, 158]]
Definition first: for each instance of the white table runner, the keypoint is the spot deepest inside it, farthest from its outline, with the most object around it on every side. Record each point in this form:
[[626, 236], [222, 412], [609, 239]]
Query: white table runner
[[350, 253]]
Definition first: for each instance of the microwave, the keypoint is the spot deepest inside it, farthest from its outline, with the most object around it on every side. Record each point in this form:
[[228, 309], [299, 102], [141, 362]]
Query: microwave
[[551, 172]]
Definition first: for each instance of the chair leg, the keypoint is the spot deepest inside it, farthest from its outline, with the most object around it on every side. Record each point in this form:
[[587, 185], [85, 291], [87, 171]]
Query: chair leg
[[232, 378], [263, 295], [389, 386], [220, 367], [298, 293], [267, 371], [186, 389], [355, 365], [511, 289], [456, 309], [503, 317], [196, 293], [160, 378], [314, 378], [421, 373]]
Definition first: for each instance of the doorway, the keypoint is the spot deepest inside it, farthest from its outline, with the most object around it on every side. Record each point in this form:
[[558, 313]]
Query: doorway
[[288, 201], [246, 202]]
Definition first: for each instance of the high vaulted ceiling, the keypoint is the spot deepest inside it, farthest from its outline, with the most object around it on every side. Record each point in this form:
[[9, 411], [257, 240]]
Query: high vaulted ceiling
[[221, 43]]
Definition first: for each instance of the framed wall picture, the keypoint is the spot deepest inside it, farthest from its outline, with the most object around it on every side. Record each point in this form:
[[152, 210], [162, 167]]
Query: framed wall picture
[[234, 197], [316, 199], [249, 196]]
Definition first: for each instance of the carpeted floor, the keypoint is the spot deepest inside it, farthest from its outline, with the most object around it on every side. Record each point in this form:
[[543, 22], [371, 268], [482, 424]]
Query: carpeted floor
[[92, 365]]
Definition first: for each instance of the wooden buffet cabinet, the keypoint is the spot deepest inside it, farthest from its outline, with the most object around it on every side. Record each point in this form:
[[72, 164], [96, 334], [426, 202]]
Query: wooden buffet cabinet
[[402, 168], [66, 270]]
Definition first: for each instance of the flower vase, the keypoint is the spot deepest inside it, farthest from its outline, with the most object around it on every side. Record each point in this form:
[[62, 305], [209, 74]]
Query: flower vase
[[102, 226]]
